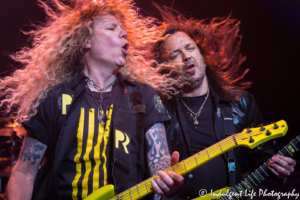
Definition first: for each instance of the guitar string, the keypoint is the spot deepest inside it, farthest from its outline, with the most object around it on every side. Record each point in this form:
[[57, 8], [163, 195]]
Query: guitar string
[[265, 166], [134, 194], [147, 182], [233, 189], [138, 196], [187, 162], [238, 189]]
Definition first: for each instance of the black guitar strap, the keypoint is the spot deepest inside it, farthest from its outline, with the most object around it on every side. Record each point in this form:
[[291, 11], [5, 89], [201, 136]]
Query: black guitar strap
[[122, 128], [229, 129]]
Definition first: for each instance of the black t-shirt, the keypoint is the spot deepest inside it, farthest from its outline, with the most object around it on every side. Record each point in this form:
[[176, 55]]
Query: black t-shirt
[[57, 123], [85, 167], [211, 174]]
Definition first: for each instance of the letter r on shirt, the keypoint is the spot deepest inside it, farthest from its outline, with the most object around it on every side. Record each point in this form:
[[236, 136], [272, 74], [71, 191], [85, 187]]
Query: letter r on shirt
[[123, 138]]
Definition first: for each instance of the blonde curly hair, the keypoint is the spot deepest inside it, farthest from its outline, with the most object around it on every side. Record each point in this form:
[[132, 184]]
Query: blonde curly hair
[[57, 49]]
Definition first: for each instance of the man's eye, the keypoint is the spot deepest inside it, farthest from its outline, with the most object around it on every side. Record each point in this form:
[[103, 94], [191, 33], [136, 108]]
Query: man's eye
[[173, 56], [111, 28], [190, 48]]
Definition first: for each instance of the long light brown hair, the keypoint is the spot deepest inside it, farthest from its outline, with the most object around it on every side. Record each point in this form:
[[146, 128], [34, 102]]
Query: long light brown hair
[[219, 42], [56, 49]]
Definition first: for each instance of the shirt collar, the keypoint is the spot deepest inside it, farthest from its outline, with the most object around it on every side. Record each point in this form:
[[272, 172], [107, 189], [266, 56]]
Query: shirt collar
[[126, 81], [216, 98], [80, 76]]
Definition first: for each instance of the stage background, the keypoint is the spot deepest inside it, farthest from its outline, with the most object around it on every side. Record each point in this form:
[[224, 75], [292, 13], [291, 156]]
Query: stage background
[[270, 30]]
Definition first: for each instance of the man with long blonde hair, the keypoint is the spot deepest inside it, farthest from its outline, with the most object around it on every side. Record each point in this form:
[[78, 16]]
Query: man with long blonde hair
[[87, 126]]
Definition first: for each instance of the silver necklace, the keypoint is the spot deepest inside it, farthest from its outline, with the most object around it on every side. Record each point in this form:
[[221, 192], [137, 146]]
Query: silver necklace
[[101, 111], [195, 115]]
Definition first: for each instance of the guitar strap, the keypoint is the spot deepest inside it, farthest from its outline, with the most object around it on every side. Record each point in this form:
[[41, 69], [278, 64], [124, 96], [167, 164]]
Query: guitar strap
[[121, 137], [229, 130]]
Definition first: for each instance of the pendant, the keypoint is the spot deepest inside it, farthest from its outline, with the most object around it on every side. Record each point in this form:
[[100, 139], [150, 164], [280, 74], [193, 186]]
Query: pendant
[[196, 122], [101, 117]]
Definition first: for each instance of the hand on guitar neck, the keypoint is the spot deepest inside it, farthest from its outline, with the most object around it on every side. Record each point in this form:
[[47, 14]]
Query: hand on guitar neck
[[281, 166], [167, 184], [170, 182]]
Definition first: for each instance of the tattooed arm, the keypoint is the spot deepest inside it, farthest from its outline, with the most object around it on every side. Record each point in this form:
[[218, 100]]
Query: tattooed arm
[[159, 159], [21, 181], [158, 153]]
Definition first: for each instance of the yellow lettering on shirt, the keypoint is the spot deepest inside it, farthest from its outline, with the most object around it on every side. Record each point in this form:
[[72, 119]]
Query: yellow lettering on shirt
[[86, 156], [122, 137], [79, 151], [85, 169], [66, 100]]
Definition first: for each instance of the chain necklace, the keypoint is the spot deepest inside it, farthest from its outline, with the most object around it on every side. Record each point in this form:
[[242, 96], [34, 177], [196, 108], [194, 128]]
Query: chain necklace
[[101, 111], [195, 115]]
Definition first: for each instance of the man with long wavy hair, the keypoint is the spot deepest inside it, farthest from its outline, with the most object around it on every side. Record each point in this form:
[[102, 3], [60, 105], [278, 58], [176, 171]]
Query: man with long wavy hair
[[87, 126], [211, 105]]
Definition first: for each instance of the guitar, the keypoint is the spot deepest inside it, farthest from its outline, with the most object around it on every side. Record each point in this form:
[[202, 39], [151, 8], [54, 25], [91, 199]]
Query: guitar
[[248, 137], [253, 179]]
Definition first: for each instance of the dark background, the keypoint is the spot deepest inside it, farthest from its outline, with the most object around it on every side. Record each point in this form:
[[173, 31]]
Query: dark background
[[271, 41], [270, 30]]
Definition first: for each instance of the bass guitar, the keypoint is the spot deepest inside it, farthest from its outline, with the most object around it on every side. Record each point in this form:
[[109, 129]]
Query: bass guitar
[[248, 137], [245, 187]]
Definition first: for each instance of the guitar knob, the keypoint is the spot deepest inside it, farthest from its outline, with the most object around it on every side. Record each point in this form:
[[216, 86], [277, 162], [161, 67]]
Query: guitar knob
[[275, 126], [249, 130], [262, 128], [251, 140], [268, 133]]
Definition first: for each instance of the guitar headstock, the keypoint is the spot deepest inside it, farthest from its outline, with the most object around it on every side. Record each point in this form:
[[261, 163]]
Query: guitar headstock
[[255, 136]]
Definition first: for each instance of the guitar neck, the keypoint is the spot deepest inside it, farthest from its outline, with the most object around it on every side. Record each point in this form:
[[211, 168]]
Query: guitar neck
[[249, 137], [262, 172], [185, 166]]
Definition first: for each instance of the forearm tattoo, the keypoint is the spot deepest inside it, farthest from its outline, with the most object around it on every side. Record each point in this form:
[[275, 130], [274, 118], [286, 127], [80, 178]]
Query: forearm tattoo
[[158, 153], [31, 150]]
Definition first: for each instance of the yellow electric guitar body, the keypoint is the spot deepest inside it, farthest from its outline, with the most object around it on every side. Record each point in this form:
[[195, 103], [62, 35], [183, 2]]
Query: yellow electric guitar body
[[249, 138], [105, 192]]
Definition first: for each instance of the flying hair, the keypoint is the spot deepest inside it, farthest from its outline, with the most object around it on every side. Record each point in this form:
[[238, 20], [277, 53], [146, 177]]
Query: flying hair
[[219, 42], [56, 49]]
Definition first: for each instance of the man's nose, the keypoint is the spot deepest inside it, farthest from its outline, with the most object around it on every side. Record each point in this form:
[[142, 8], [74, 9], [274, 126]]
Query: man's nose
[[123, 34], [185, 56]]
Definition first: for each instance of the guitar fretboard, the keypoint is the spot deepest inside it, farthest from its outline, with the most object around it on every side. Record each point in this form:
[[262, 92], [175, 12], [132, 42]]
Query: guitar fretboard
[[249, 138], [182, 168], [261, 173]]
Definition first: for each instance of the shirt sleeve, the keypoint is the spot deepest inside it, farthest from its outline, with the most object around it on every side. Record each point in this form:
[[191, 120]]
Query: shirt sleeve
[[155, 110], [41, 124]]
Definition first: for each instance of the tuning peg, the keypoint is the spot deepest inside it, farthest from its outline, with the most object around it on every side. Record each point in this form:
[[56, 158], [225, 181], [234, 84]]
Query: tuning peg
[[268, 133], [251, 140], [275, 126], [249, 130], [262, 128]]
